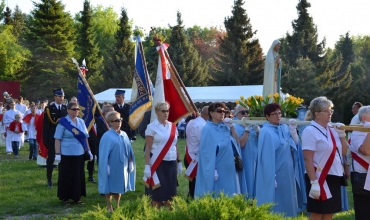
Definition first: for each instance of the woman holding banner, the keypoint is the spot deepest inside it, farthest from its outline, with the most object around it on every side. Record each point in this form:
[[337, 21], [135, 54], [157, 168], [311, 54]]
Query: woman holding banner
[[70, 145], [323, 145], [162, 158]]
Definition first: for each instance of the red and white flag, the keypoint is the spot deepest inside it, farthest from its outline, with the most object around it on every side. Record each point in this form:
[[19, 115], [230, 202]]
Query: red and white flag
[[169, 88]]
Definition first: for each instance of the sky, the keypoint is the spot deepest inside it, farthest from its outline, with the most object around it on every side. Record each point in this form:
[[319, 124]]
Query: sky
[[271, 18]]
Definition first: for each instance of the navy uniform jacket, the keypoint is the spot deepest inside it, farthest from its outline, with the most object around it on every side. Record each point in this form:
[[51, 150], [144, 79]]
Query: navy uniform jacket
[[51, 118], [125, 112]]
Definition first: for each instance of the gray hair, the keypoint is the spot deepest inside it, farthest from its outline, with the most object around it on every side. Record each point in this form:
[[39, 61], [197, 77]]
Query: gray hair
[[159, 105], [106, 108], [363, 111], [237, 108], [316, 105]]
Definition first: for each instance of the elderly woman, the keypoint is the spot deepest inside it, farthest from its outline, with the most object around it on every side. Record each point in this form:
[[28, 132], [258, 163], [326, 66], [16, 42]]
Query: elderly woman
[[219, 144], [322, 147], [117, 162], [248, 137], [162, 158], [279, 177], [70, 145], [360, 172]]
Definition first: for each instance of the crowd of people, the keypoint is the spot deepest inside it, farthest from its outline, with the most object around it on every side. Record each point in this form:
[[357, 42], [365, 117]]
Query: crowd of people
[[271, 162]]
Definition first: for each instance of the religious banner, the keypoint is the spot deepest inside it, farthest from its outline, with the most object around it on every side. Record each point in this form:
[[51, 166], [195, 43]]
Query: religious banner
[[141, 96]]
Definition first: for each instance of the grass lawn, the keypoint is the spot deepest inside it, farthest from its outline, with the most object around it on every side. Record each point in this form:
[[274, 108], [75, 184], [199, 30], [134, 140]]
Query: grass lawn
[[24, 194]]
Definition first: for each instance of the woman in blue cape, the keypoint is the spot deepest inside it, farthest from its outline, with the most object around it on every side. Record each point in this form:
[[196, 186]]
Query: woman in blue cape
[[116, 170], [279, 175], [216, 167]]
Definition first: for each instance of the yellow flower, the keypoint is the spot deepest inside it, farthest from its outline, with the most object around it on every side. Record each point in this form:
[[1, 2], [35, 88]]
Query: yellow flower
[[237, 102], [261, 98], [276, 95], [269, 96], [249, 98], [256, 97], [241, 97], [248, 103]]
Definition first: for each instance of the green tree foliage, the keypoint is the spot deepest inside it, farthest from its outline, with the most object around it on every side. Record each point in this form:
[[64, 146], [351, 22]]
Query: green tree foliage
[[301, 80], [240, 56], [8, 16], [18, 22], [13, 56], [185, 57], [303, 42], [52, 42], [88, 48], [121, 66]]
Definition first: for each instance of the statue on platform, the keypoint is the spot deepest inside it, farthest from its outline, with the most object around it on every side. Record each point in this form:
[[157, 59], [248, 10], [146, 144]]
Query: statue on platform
[[272, 73]]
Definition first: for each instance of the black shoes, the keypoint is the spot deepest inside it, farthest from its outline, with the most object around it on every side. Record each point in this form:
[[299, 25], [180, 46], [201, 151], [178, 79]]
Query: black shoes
[[91, 179], [50, 183]]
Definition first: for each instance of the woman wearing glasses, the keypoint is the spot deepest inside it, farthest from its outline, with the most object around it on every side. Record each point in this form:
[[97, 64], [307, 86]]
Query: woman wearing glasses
[[323, 146], [116, 172], [70, 144], [162, 158], [216, 167], [248, 137], [279, 175]]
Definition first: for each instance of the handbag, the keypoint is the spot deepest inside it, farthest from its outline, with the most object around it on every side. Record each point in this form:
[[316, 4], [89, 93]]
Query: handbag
[[86, 155], [358, 183], [237, 159]]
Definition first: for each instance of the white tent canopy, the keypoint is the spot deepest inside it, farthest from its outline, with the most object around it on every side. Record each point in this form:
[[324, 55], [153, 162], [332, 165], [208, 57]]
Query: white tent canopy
[[197, 94]]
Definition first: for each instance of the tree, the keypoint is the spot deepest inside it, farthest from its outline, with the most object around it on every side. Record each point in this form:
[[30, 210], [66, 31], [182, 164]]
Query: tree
[[52, 42], [13, 56], [18, 22], [121, 69], [88, 48], [2, 6], [185, 57], [8, 16], [240, 56], [303, 42]]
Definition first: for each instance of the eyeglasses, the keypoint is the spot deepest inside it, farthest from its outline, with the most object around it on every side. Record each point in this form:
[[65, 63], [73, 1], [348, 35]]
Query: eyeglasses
[[117, 120], [244, 111], [331, 111], [165, 111], [74, 109], [276, 114], [220, 110]]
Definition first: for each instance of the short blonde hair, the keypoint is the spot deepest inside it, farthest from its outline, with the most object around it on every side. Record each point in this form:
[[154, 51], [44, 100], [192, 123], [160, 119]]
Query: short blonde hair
[[110, 115], [316, 105], [159, 105]]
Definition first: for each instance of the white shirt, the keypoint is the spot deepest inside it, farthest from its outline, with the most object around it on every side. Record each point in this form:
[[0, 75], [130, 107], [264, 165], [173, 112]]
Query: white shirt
[[314, 140], [9, 116], [356, 141], [180, 125], [31, 129], [159, 133], [193, 131], [21, 107], [17, 136], [355, 120]]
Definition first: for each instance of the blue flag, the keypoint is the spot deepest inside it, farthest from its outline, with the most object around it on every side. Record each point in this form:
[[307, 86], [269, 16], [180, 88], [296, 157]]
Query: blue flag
[[86, 101], [141, 95]]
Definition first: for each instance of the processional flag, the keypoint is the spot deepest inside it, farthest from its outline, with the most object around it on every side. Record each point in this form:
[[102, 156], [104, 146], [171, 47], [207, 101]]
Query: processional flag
[[141, 95], [86, 99], [170, 88]]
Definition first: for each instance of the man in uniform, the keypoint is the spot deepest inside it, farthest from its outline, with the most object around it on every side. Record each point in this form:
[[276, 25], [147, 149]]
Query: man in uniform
[[124, 109], [52, 115]]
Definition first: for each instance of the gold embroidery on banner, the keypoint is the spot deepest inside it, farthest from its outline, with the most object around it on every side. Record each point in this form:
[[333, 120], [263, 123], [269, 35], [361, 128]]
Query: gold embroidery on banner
[[319, 169]]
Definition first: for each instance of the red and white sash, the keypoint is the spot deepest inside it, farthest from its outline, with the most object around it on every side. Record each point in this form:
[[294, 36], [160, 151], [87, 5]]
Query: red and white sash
[[191, 171], [323, 168], [157, 158], [362, 161]]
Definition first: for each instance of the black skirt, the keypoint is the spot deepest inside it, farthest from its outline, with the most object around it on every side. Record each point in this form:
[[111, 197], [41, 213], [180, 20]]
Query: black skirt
[[71, 178], [329, 206], [167, 175]]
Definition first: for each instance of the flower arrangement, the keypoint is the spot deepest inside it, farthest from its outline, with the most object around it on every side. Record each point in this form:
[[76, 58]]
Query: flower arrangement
[[257, 104]]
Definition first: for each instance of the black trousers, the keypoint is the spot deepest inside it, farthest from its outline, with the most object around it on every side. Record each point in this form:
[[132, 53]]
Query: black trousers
[[50, 161], [90, 164], [191, 183]]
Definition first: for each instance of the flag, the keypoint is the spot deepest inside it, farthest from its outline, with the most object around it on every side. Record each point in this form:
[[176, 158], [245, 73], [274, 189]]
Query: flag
[[86, 99], [141, 96], [169, 88]]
